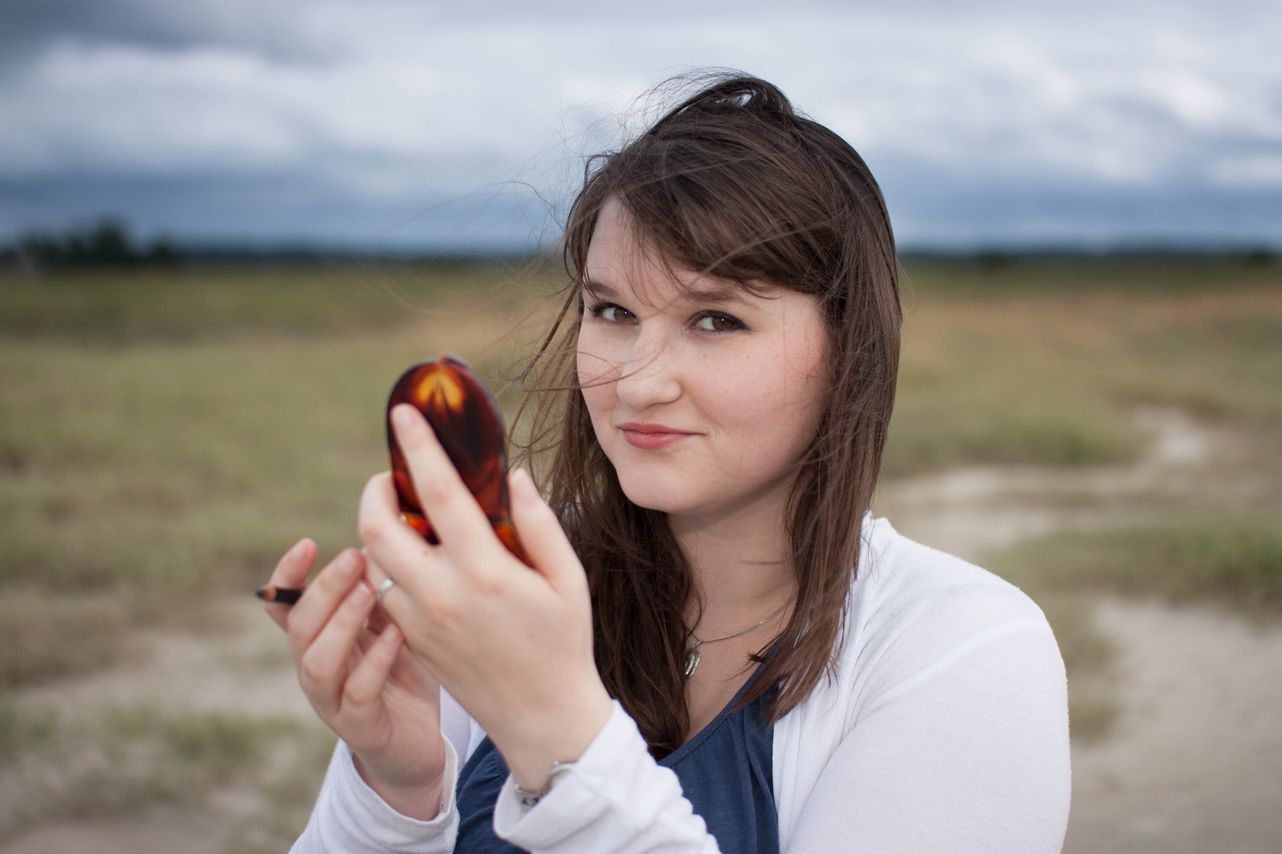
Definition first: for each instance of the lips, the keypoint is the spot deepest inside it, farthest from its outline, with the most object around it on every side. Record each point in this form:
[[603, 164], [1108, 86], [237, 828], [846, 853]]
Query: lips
[[651, 437]]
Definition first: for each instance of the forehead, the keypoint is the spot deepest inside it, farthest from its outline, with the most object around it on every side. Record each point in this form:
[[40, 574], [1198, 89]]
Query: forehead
[[622, 264]]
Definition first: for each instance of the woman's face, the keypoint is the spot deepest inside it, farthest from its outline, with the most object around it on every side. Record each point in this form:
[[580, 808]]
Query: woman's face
[[702, 394]]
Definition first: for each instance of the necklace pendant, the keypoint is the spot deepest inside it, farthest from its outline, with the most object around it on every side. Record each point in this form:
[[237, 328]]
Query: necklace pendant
[[692, 660]]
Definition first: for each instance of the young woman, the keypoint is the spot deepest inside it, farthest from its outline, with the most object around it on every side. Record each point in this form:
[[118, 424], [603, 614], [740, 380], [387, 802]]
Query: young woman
[[719, 647]]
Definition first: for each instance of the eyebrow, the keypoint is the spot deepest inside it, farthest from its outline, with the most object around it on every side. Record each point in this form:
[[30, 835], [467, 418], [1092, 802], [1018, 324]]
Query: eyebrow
[[720, 294]]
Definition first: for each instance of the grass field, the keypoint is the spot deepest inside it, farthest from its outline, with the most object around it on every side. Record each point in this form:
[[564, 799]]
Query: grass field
[[169, 434], [165, 436]]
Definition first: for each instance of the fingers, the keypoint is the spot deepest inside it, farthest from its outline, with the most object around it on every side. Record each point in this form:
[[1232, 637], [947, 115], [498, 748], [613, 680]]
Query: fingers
[[406, 668], [365, 684], [459, 521], [374, 577], [331, 585], [322, 668], [291, 571], [541, 534], [396, 605], [387, 537]]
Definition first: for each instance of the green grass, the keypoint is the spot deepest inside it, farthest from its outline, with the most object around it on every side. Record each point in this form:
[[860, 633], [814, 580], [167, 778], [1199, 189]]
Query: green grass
[[1037, 371], [206, 748], [1231, 560], [51, 636], [1089, 661], [125, 308], [165, 437], [126, 760], [21, 730]]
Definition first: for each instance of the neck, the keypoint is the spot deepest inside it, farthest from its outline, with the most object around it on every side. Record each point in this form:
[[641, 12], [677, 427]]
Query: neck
[[740, 565]]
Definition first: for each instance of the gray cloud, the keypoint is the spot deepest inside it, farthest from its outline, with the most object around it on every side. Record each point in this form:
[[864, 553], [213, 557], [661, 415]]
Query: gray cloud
[[342, 118], [264, 28]]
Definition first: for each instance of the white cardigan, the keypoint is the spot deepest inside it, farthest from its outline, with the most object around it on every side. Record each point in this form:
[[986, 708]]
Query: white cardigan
[[945, 730]]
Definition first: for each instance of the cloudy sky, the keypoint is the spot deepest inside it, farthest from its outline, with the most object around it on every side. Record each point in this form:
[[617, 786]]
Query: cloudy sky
[[430, 124]]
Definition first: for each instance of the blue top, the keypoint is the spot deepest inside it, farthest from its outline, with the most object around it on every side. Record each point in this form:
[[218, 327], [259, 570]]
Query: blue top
[[726, 772]]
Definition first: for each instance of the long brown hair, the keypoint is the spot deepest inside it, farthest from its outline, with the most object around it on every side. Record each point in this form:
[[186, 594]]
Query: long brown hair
[[733, 183]]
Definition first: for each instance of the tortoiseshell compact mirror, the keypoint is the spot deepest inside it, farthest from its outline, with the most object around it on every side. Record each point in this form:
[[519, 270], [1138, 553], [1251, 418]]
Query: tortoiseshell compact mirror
[[469, 424]]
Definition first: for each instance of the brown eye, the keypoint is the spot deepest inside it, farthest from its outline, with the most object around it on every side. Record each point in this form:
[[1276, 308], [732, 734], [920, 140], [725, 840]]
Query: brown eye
[[718, 322], [609, 312]]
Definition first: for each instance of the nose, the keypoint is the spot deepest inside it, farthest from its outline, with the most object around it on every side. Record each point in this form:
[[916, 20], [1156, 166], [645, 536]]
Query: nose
[[650, 376]]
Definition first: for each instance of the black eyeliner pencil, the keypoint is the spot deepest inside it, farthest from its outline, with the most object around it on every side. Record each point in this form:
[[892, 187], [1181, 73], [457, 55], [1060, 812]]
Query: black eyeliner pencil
[[279, 595]]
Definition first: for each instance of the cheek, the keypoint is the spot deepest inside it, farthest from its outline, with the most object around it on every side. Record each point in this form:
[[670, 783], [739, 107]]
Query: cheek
[[798, 391], [597, 400], [592, 358], [594, 385], [754, 404], [809, 373], [813, 391]]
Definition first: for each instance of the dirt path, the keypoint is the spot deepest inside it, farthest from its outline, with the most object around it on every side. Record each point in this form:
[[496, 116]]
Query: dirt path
[[241, 671], [242, 667], [1194, 763], [154, 830]]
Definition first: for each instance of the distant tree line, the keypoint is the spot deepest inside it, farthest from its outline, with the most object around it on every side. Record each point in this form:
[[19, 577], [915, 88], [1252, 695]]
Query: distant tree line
[[105, 243], [997, 259]]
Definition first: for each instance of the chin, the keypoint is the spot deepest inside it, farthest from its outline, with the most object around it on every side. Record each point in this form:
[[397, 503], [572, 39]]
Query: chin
[[653, 499], [663, 497]]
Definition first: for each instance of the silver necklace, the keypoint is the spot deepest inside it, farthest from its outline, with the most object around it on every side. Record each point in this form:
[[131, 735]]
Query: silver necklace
[[693, 655]]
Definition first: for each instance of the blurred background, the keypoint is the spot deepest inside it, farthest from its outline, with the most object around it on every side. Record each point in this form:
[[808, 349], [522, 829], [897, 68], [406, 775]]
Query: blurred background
[[226, 227]]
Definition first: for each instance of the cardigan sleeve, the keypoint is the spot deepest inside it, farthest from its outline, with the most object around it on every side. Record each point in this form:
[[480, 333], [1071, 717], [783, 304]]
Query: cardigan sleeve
[[349, 816], [616, 799], [968, 752]]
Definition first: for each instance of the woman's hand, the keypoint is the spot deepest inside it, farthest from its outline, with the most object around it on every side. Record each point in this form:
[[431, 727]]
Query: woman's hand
[[361, 680], [513, 644]]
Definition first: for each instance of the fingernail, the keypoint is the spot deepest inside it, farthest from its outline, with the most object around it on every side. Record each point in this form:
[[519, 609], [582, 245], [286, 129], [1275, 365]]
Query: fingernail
[[299, 548], [347, 563], [523, 485], [391, 635], [402, 416], [359, 596]]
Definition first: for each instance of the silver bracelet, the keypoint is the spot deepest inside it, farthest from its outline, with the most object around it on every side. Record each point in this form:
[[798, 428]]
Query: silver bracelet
[[529, 798]]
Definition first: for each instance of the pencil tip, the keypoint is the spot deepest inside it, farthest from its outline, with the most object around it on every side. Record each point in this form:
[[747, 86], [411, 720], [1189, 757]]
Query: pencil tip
[[267, 594]]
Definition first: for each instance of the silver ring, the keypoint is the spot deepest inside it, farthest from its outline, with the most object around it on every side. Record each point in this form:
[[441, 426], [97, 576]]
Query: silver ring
[[383, 586]]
